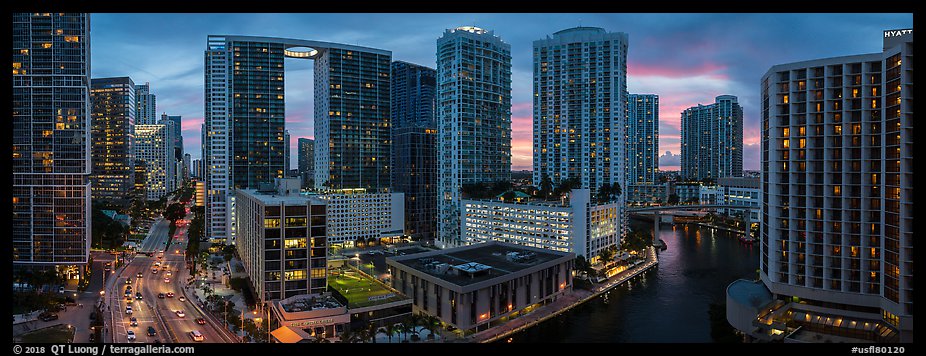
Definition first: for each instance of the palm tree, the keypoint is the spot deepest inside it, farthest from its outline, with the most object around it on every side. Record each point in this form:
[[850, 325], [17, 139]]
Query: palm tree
[[372, 329], [432, 323], [390, 330], [347, 337], [361, 334]]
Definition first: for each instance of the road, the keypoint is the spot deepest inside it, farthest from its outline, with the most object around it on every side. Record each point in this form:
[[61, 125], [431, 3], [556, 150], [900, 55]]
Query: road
[[151, 310], [157, 236]]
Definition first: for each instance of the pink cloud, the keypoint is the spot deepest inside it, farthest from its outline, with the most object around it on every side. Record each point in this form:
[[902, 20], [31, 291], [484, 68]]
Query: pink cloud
[[704, 69], [191, 124]]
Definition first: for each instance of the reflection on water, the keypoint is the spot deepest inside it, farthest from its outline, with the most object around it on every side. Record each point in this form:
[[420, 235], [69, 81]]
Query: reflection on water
[[666, 304]]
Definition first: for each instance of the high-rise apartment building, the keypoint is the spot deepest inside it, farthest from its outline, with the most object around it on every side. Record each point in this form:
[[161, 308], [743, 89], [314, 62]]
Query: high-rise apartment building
[[642, 149], [112, 137], [244, 117], [580, 84], [286, 152], [473, 119], [306, 160], [712, 140], [836, 228], [414, 146], [152, 149], [146, 112], [51, 141]]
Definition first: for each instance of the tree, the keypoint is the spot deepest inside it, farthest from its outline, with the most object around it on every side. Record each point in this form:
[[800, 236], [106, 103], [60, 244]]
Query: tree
[[546, 186], [371, 331], [607, 254], [228, 252], [508, 196], [390, 330], [432, 323], [174, 212], [582, 264]]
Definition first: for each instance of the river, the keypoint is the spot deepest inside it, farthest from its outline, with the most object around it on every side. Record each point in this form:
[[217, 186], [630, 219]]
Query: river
[[666, 304]]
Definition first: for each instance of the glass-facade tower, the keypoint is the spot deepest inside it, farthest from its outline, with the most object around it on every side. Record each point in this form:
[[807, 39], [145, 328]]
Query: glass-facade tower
[[414, 146], [51, 139]]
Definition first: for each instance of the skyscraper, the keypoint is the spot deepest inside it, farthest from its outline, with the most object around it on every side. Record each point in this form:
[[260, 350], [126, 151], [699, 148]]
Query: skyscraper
[[306, 160], [837, 195], [153, 149], [642, 147], [580, 84], [176, 136], [244, 117], [146, 105], [473, 118], [112, 136], [414, 149], [712, 140], [51, 141], [187, 166], [286, 152]]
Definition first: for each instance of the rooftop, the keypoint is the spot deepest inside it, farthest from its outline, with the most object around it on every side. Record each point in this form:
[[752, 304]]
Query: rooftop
[[309, 302], [752, 293], [275, 198], [477, 263]]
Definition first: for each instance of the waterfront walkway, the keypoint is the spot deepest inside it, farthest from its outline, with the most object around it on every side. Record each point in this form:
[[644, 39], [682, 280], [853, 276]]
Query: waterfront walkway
[[563, 303]]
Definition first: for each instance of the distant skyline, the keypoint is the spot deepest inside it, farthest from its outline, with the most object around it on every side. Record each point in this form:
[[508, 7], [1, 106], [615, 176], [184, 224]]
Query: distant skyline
[[686, 59]]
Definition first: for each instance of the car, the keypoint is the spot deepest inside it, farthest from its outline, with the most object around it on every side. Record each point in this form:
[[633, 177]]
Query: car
[[128, 288], [197, 336], [182, 298], [154, 271], [158, 263], [46, 316], [164, 267], [128, 280], [151, 331], [169, 273], [166, 280], [201, 321], [160, 295], [61, 289], [133, 321], [180, 313], [139, 275], [130, 335], [138, 295], [129, 300], [170, 294], [128, 309]]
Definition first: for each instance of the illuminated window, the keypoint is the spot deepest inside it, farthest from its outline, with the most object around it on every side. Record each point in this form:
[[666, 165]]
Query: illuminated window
[[71, 39], [785, 99], [291, 275], [271, 223], [295, 222], [46, 45], [295, 243], [786, 143], [837, 190]]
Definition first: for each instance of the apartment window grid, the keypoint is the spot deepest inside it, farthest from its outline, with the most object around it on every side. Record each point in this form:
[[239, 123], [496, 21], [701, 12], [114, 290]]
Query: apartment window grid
[[838, 180]]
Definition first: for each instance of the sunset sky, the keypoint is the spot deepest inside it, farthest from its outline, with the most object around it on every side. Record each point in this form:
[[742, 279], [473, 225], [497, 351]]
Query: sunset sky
[[686, 59]]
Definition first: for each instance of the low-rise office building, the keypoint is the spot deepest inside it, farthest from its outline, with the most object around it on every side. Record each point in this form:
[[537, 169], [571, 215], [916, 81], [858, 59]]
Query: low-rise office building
[[354, 214], [472, 286], [303, 318], [579, 226]]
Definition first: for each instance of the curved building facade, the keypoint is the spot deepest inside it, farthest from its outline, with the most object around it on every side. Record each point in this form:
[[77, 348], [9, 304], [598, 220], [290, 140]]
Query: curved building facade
[[245, 117]]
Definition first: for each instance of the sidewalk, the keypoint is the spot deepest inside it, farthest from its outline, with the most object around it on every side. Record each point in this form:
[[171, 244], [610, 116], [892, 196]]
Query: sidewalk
[[562, 303]]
